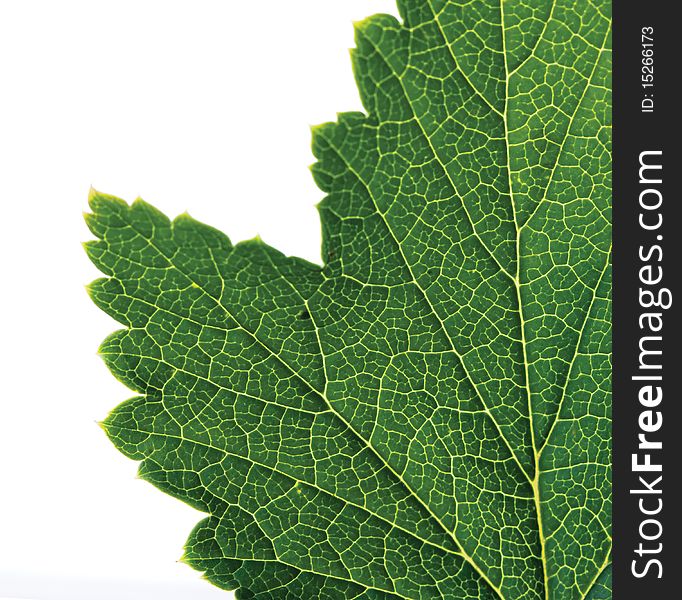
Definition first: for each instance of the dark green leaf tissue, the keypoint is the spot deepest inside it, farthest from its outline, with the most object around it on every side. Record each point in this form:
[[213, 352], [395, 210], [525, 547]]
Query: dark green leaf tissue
[[426, 414]]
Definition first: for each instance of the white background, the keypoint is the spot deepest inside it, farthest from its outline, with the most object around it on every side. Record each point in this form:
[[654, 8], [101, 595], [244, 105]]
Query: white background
[[202, 106]]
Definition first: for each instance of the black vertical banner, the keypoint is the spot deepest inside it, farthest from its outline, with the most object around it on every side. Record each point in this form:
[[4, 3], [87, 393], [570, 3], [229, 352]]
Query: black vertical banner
[[647, 266]]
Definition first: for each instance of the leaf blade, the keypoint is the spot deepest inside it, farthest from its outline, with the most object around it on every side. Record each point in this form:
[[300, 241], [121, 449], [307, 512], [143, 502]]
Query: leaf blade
[[439, 388]]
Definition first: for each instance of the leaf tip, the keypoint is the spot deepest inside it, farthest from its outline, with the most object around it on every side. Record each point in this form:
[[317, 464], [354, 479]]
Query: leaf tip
[[92, 224], [361, 25], [94, 198], [315, 129], [92, 250], [104, 204], [185, 219]]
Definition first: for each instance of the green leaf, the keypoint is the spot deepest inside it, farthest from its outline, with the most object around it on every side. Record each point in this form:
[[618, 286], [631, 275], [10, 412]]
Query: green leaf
[[427, 415]]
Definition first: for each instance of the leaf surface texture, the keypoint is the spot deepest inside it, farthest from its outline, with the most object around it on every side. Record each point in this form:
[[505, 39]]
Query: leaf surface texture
[[426, 415]]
